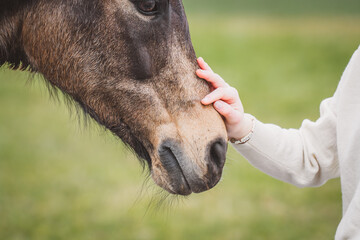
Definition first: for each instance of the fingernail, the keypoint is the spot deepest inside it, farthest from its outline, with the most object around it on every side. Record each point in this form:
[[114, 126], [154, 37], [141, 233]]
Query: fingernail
[[205, 99], [200, 71]]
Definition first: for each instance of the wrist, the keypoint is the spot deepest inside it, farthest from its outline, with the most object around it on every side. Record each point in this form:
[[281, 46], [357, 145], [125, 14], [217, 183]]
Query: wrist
[[242, 130]]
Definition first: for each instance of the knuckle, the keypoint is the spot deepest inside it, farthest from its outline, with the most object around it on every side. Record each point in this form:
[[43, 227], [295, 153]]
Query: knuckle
[[234, 90], [213, 76], [217, 76], [205, 73]]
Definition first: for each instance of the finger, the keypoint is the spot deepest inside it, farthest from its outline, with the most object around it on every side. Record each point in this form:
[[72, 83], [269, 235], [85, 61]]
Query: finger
[[213, 78], [229, 113], [203, 65], [226, 94]]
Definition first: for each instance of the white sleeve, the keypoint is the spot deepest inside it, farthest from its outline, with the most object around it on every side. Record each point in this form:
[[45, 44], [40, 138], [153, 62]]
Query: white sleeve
[[303, 157]]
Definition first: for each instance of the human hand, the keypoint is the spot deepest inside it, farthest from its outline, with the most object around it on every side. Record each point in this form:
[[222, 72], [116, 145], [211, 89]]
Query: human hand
[[226, 101]]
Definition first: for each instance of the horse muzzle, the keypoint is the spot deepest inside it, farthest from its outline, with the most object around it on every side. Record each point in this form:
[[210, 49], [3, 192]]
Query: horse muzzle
[[189, 170]]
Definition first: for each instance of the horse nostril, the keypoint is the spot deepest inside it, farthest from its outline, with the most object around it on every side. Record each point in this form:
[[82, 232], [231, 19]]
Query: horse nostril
[[218, 153], [168, 159], [170, 162]]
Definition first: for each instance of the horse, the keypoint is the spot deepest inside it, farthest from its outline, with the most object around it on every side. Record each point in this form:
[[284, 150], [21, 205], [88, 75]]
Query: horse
[[130, 65]]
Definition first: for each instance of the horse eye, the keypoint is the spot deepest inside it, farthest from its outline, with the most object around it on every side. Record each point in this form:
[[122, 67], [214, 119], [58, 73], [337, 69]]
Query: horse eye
[[147, 7]]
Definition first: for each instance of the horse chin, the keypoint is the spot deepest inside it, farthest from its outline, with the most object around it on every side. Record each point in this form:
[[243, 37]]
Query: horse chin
[[182, 186], [176, 188]]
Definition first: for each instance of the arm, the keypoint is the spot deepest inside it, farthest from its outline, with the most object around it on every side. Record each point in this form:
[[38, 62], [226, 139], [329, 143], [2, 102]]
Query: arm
[[303, 157]]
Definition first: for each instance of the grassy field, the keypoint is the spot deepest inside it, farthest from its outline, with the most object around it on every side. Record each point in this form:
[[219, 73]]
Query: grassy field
[[59, 180], [274, 7]]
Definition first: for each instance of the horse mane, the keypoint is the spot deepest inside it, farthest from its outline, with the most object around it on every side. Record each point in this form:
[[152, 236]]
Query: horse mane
[[10, 27]]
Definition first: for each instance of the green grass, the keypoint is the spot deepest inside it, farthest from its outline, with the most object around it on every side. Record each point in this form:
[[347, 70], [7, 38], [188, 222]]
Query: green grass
[[274, 7], [61, 181]]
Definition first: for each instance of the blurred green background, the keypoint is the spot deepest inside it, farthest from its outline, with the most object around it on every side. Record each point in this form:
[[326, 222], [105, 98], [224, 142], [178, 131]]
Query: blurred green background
[[60, 180]]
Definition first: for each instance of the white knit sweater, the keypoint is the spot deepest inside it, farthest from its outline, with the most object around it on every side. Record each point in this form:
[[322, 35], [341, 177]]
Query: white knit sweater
[[318, 151]]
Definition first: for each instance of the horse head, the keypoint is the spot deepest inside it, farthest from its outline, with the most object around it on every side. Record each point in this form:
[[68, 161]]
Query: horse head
[[130, 65]]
